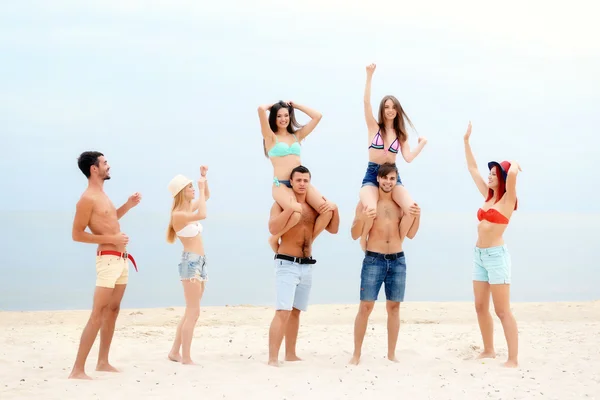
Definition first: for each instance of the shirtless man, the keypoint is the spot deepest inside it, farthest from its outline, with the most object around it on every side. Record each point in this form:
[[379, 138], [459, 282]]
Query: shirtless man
[[96, 211], [384, 259], [293, 265]]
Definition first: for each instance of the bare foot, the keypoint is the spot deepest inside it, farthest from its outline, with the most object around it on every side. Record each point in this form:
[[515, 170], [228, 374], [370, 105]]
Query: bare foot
[[274, 243], [188, 362], [487, 354], [79, 375], [274, 363], [292, 358], [175, 357], [106, 367], [511, 364], [393, 358], [354, 360]]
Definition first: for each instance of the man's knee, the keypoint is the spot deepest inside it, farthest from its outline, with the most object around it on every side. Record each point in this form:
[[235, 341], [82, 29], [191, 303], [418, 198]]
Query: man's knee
[[392, 307], [365, 308], [283, 315]]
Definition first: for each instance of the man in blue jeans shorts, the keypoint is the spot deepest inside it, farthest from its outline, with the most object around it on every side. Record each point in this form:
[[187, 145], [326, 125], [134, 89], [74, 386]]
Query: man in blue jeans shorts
[[294, 264], [384, 260]]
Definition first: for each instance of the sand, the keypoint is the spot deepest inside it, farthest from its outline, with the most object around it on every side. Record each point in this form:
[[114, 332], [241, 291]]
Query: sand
[[437, 346]]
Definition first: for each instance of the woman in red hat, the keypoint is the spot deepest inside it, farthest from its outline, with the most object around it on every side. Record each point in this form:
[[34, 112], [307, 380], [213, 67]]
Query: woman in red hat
[[491, 260]]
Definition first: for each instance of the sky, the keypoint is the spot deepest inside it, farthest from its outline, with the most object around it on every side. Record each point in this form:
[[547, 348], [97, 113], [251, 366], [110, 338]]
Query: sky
[[162, 87]]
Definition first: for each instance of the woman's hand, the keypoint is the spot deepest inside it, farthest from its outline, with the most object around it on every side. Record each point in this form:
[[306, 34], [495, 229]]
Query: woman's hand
[[371, 69], [468, 134], [203, 170]]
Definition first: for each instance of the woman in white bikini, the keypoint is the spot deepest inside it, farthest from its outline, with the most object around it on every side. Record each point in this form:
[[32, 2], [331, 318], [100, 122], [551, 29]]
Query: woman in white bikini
[[387, 135], [185, 214], [282, 135]]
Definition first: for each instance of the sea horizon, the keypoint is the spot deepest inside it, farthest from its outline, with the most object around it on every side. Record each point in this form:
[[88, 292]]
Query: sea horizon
[[59, 274]]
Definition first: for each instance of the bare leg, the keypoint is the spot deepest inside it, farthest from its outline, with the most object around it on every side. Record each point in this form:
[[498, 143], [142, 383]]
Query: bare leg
[[501, 298], [193, 291], [102, 298], [174, 354], [369, 196], [360, 328], [291, 335], [404, 200], [282, 195], [274, 239], [108, 328], [481, 291], [276, 333], [393, 328], [315, 199]]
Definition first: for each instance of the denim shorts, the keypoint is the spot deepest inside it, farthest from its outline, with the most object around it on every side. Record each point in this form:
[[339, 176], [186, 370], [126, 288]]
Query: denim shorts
[[378, 268], [277, 182], [193, 266], [292, 283], [492, 264], [371, 175]]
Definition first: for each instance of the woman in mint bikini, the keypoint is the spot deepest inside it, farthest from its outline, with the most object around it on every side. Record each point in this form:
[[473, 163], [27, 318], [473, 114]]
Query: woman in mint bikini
[[491, 260], [282, 136], [388, 129]]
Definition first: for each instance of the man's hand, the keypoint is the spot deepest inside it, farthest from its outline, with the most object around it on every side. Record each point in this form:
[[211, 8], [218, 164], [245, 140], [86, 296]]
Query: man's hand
[[120, 239], [368, 213], [414, 210], [203, 170], [134, 199], [327, 206]]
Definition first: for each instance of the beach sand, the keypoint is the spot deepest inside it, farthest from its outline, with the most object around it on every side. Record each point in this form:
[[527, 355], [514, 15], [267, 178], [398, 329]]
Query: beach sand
[[437, 346]]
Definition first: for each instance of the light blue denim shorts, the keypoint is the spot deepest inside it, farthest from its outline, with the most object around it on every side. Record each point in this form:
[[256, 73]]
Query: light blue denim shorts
[[193, 267], [492, 264], [292, 282]]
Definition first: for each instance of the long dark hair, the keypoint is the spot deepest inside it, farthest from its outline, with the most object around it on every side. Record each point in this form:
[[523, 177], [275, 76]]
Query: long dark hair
[[398, 123], [292, 127]]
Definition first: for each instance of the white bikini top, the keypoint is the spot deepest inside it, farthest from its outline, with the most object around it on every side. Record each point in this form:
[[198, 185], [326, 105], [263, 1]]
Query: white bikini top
[[190, 230]]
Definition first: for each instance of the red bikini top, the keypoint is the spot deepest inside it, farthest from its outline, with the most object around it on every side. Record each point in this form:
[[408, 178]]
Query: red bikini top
[[492, 215]]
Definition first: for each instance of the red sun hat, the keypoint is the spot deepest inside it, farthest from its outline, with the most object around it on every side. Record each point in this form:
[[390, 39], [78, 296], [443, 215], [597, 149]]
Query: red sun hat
[[504, 166]]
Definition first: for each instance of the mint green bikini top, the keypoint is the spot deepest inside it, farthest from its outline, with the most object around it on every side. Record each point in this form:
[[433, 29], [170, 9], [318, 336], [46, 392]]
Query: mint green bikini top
[[282, 149]]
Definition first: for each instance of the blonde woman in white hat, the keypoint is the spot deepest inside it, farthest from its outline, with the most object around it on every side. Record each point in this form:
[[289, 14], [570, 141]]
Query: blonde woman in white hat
[[184, 223]]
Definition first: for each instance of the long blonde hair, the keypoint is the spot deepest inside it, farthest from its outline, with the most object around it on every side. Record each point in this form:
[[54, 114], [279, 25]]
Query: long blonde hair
[[178, 201]]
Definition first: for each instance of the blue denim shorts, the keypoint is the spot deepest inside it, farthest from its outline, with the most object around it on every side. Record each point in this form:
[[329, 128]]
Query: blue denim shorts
[[371, 175], [277, 182], [378, 268], [292, 284], [492, 264], [193, 266]]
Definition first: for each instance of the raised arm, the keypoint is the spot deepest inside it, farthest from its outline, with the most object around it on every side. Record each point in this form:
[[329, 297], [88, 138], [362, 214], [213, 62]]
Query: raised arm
[[185, 217], [411, 230], [83, 213], [314, 115], [408, 154], [267, 133], [278, 218], [196, 203], [472, 165], [372, 125], [511, 182]]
